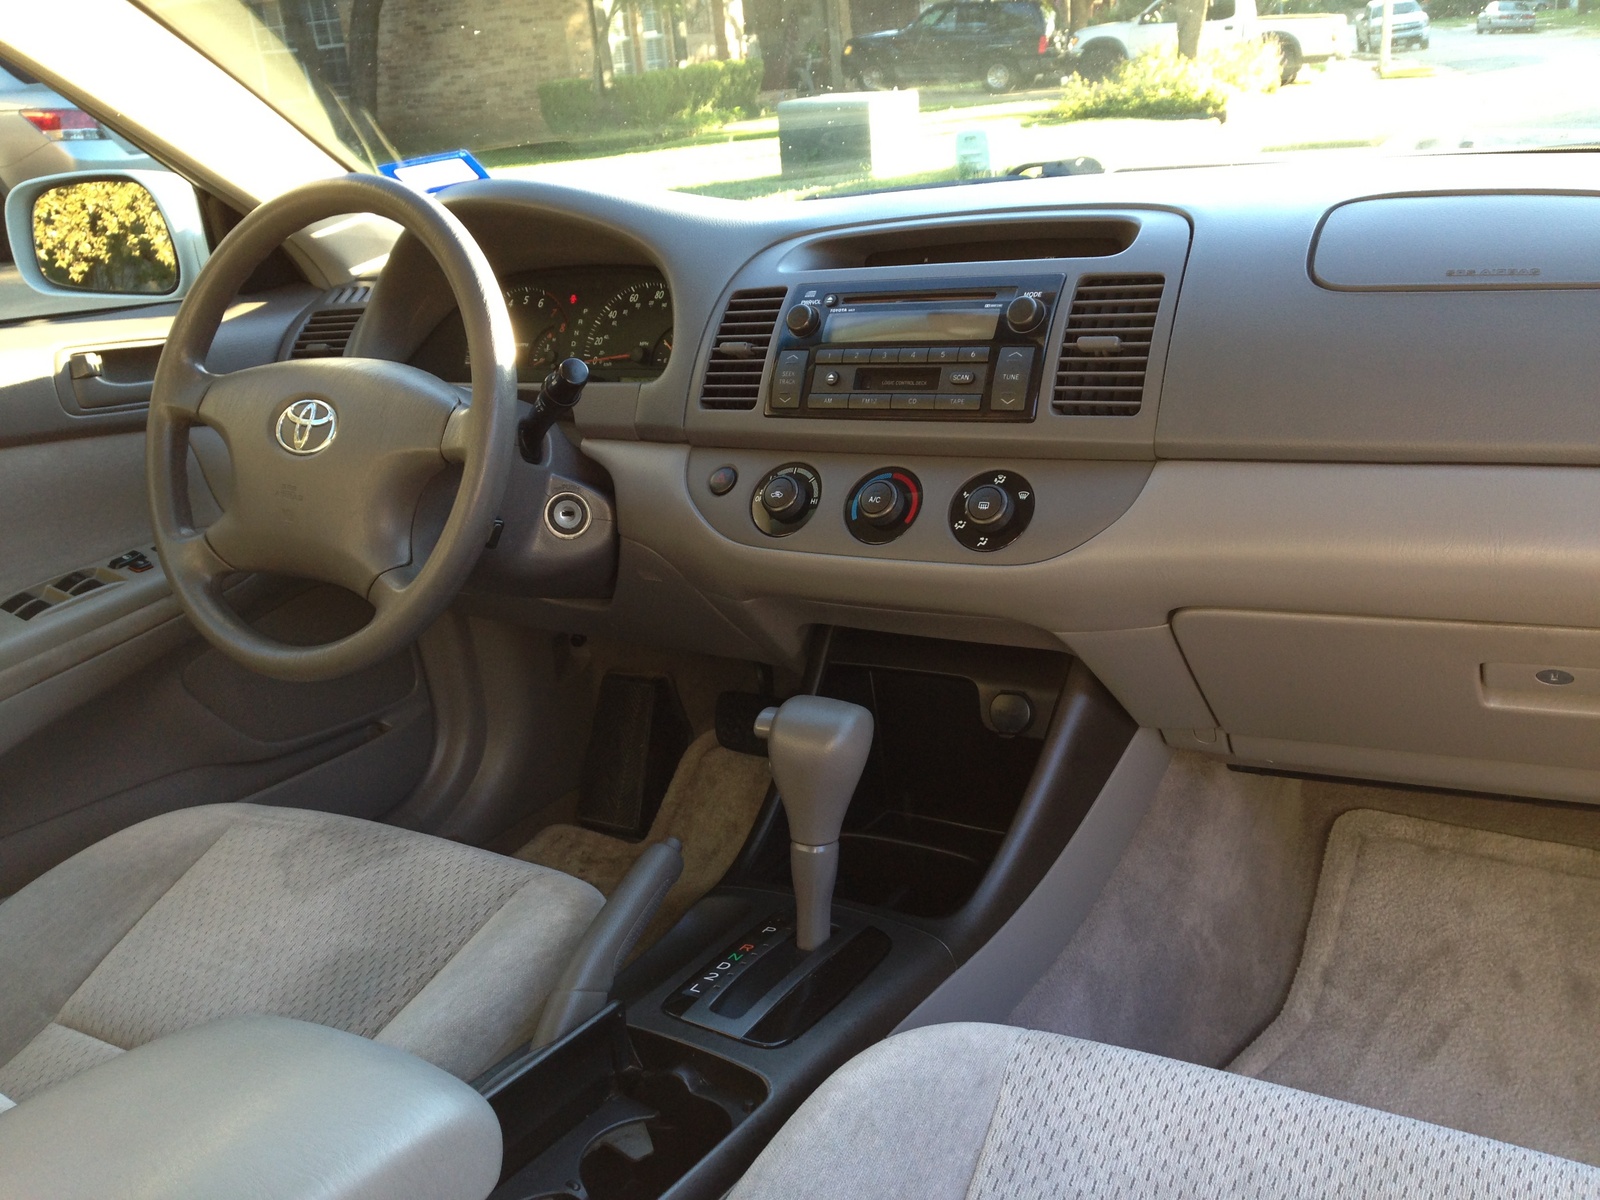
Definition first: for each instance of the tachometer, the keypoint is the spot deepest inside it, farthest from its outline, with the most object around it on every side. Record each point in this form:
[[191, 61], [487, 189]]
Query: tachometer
[[540, 321], [629, 335]]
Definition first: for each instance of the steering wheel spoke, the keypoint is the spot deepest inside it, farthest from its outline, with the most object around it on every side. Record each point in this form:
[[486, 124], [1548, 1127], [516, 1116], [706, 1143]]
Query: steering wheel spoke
[[194, 557]]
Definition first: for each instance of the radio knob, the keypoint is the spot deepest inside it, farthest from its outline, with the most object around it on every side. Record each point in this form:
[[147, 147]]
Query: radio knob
[[786, 498], [803, 320], [1025, 314]]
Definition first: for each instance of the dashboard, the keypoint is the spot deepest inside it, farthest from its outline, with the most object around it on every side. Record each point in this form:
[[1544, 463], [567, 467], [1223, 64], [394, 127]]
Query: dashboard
[[617, 319], [1300, 460]]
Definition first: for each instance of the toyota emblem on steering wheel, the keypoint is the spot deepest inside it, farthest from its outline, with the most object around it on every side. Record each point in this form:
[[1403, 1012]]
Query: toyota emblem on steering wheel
[[307, 426]]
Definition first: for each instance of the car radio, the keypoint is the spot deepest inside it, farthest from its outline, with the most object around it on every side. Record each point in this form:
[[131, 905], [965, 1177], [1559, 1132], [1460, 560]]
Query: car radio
[[966, 350]]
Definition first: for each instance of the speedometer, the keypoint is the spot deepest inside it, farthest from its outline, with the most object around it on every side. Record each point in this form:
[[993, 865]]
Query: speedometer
[[629, 336]]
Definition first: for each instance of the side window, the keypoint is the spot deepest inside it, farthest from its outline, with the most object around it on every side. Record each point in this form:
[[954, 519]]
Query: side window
[[1220, 10], [941, 17], [1156, 16], [972, 18]]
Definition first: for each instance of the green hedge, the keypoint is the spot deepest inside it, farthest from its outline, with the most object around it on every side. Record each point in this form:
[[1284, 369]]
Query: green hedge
[[701, 94], [1165, 84]]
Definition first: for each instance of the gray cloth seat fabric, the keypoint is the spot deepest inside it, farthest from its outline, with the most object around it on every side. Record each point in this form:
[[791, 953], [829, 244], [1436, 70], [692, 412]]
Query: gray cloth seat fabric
[[984, 1112], [440, 949]]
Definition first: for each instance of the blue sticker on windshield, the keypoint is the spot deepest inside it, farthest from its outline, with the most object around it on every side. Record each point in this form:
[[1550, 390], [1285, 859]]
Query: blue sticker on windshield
[[435, 172]]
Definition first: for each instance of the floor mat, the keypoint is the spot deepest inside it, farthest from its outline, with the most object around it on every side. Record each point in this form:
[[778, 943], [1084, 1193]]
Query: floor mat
[[710, 806], [1453, 975]]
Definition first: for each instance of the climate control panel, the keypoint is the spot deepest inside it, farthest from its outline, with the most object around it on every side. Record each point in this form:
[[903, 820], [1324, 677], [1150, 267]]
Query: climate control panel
[[931, 508]]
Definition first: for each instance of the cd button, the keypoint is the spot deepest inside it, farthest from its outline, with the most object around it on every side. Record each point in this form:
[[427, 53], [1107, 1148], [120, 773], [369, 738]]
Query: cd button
[[974, 354], [913, 402], [917, 354], [944, 354], [957, 403], [870, 400]]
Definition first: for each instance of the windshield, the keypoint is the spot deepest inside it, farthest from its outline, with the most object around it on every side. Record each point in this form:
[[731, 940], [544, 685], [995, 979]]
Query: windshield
[[793, 99]]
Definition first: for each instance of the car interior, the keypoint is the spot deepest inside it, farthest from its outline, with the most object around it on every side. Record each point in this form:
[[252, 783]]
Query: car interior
[[1074, 686]]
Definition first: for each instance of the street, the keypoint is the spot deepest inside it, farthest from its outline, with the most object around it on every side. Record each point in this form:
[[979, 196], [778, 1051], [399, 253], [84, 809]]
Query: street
[[1467, 91]]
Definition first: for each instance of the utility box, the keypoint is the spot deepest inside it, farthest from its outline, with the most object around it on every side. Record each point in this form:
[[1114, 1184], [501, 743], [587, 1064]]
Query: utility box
[[850, 133]]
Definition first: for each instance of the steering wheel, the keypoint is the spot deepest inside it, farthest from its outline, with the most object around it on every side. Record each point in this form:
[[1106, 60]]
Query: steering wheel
[[330, 456]]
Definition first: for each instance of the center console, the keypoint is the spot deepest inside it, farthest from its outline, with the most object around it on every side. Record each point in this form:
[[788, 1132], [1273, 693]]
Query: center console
[[981, 761]]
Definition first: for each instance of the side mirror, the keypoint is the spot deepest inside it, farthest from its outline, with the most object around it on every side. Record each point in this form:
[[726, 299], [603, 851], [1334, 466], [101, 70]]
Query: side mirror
[[123, 235]]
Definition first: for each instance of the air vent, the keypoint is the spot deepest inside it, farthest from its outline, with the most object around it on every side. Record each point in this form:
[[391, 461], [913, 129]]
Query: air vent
[[1106, 348], [739, 351], [327, 330]]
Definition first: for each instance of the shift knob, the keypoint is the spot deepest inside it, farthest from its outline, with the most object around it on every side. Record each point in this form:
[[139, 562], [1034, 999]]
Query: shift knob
[[818, 749]]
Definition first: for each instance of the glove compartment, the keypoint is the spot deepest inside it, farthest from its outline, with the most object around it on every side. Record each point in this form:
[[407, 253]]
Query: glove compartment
[[1504, 708]]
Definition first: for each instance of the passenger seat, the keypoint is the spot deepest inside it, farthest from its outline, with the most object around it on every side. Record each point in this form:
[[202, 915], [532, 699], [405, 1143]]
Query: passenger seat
[[985, 1112]]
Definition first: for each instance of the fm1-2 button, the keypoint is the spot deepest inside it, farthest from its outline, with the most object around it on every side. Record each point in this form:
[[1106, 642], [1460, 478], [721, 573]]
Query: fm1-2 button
[[990, 511]]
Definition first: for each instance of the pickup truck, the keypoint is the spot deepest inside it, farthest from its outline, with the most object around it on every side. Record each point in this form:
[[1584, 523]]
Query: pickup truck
[[1096, 50]]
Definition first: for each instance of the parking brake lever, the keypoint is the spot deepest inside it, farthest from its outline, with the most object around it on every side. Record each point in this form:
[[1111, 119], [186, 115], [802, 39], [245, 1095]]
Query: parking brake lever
[[560, 392]]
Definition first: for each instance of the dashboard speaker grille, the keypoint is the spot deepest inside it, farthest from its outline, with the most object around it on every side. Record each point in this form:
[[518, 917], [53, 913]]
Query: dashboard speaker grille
[[739, 351], [1106, 348], [327, 330]]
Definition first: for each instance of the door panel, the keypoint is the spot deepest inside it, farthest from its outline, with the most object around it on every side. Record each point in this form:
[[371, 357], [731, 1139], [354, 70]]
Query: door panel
[[111, 708]]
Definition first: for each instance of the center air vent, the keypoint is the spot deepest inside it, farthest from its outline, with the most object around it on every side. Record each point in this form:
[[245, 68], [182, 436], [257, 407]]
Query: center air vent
[[327, 330], [1106, 348], [739, 351]]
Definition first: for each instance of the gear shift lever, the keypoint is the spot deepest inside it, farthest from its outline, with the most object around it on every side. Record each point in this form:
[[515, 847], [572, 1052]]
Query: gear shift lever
[[818, 748]]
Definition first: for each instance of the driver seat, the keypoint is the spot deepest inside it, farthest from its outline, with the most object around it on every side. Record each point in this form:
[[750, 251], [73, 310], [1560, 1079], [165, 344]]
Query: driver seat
[[440, 949]]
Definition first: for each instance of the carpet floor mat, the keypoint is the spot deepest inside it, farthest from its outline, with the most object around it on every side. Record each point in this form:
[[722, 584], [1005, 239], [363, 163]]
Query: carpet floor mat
[[1453, 975], [710, 807]]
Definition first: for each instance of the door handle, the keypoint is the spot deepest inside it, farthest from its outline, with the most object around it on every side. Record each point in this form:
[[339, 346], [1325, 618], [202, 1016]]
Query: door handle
[[112, 376]]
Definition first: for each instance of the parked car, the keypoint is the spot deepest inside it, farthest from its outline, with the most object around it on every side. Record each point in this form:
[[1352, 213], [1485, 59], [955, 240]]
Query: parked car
[[1503, 16], [42, 134], [1301, 38], [1408, 26], [1004, 44]]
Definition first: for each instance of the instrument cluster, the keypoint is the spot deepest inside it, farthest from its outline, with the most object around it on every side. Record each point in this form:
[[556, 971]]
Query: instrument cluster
[[617, 319]]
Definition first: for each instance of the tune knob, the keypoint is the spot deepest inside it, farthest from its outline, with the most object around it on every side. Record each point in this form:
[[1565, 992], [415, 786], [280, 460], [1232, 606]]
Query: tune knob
[[803, 320], [1025, 314]]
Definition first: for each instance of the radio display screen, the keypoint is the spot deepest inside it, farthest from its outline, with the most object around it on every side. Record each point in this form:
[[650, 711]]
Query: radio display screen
[[897, 379], [957, 325]]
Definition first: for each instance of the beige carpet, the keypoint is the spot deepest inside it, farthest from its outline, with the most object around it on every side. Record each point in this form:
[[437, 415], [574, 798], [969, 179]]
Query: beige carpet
[[710, 806], [1453, 975]]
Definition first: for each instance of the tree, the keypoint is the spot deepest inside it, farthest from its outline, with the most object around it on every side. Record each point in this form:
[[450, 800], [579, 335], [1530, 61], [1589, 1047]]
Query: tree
[[1191, 18], [104, 235]]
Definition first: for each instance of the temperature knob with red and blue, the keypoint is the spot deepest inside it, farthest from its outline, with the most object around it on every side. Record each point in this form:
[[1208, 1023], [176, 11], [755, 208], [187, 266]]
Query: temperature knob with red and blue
[[883, 505]]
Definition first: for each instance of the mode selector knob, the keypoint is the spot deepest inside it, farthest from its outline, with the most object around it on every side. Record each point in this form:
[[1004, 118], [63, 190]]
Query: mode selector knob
[[1025, 314], [989, 506], [803, 320], [786, 498]]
